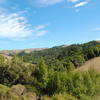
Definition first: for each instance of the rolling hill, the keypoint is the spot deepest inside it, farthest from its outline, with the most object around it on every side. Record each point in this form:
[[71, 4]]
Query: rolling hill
[[23, 50]]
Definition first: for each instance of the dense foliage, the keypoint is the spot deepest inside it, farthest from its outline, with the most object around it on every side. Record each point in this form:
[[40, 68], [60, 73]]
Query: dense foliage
[[77, 54], [50, 74]]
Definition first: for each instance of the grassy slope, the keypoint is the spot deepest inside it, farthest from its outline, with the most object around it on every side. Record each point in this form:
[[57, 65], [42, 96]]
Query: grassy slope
[[93, 63]]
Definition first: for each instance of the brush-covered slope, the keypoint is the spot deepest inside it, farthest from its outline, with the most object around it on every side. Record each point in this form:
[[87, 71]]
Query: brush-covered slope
[[53, 76], [76, 54]]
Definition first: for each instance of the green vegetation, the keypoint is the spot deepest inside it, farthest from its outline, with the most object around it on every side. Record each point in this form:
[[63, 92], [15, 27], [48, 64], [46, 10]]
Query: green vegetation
[[77, 54], [17, 92], [50, 74]]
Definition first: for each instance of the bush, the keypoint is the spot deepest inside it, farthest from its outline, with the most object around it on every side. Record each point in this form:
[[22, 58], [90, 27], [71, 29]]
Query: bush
[[59, 97], [18, 89], [4, 90], [30, 96]]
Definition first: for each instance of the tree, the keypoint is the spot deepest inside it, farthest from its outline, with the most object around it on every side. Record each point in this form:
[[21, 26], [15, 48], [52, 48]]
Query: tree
[[53, 85], [2, 59], [78, 60], [68, 65], [42, 73], [57, 65]]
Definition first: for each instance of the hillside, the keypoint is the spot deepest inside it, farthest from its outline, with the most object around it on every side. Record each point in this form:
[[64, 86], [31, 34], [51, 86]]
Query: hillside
[[51, 74], [93, 63]]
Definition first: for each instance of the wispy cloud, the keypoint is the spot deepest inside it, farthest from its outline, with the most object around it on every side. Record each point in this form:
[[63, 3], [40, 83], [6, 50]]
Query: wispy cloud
[[73, 1], [81, 4], [40, 30], [47, 2], [15, 26]]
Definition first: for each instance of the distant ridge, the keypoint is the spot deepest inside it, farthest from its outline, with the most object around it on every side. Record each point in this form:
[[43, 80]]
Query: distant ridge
[[7, 52]]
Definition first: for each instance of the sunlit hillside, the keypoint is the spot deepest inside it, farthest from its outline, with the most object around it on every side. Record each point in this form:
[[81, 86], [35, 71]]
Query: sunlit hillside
[[93, 63]]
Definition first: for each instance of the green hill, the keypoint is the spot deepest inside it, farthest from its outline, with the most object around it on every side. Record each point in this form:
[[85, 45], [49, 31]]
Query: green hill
[[51, 74]]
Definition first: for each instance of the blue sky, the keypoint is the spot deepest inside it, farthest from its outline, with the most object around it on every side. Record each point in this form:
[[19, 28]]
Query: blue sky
[[47, 23]]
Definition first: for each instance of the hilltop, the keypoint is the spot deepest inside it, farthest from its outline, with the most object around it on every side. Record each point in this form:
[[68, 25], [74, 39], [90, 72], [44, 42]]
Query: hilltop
[[7, 52]]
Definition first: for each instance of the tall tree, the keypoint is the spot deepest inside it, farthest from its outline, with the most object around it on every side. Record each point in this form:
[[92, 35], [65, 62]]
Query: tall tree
[[42, 73]]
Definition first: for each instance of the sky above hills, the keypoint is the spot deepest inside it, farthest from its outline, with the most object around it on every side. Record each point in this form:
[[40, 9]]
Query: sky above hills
[[47, 23]]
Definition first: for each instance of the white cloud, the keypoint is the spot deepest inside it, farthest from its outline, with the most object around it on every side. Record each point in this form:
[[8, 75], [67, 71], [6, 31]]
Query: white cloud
[[41, 33], [48, 2], [81, 4], [40, 30], [40, 27], [73, 1], [15, 26]]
